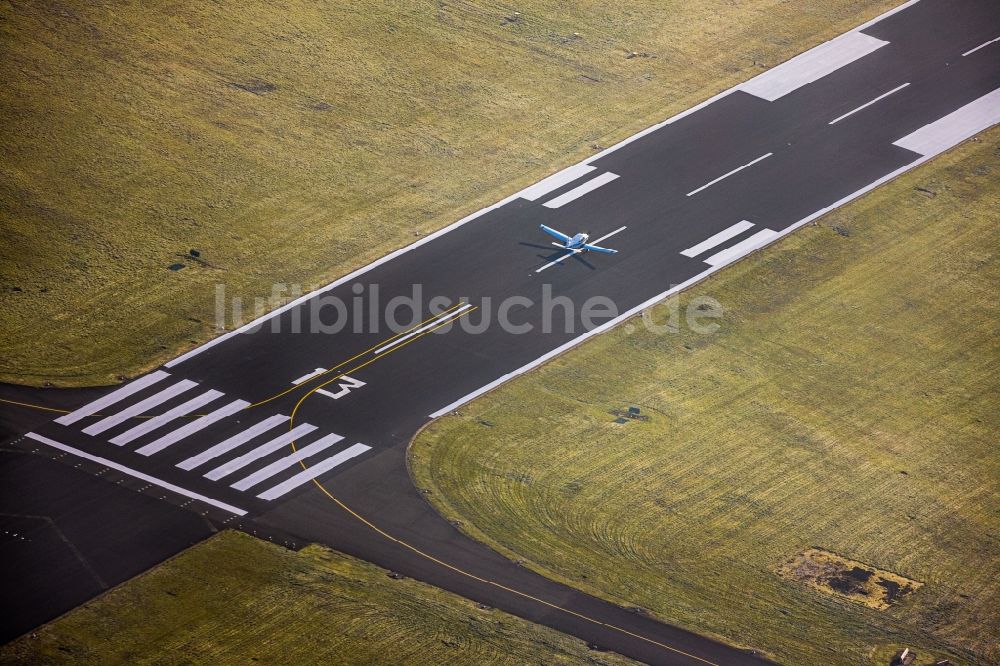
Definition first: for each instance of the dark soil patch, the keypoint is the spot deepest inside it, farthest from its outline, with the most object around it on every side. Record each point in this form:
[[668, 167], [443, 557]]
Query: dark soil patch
[[893, 590], [851, 581], [256, 86]]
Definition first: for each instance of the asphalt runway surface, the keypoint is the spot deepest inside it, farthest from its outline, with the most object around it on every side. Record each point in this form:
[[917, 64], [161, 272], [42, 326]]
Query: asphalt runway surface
[[327, 374]]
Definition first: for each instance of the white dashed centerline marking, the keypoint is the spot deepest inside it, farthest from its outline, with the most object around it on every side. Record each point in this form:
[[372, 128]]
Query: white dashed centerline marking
[[867, 104], [567, 255], [305, 378], [727, 175], [983, 45], [607, 236], [432, 324]]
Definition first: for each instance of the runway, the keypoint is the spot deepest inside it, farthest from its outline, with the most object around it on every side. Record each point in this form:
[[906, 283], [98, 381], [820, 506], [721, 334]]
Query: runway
[[332, 377]]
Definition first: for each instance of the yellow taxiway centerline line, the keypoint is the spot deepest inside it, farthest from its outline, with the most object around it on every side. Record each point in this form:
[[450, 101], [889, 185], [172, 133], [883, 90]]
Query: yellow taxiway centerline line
[[28, 404]]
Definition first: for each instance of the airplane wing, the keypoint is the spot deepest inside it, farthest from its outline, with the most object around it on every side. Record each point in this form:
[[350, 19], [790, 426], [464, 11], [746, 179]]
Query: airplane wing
[[556, 234], [605, 250]]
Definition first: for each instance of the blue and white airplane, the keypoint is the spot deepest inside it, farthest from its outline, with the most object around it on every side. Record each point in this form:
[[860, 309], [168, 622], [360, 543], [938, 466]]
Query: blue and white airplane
[[577, 243]]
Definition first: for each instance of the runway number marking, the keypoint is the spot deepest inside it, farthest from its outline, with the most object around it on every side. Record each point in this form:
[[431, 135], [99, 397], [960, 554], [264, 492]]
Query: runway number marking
[[344, 386]]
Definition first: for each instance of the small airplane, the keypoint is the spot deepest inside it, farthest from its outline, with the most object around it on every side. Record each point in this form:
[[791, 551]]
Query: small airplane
[[577, 243]]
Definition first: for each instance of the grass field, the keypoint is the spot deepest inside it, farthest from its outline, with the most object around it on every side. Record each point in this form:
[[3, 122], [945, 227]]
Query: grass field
[[235, 599], [291, 142], [848, 403]]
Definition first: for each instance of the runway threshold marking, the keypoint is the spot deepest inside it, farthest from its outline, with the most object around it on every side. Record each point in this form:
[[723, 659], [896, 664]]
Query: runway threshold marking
[[166, 394], [310, 473], [269, 447], [232, 443], [156, 422], [201, 423], [867, 104], [115, 396], [56, 410], [981, 46], [524, 595], [728, 174], [266, 472]]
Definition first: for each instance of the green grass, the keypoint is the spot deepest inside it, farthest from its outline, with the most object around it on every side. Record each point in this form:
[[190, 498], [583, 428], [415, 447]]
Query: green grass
[[848, 402], [235, 599], [127, 141]]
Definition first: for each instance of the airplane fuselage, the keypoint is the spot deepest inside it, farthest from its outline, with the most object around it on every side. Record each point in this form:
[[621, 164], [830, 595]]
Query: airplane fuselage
[[577, 241]]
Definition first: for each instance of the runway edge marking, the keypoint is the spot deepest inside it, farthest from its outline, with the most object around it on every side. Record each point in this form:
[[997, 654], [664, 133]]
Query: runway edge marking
[[524, 193]]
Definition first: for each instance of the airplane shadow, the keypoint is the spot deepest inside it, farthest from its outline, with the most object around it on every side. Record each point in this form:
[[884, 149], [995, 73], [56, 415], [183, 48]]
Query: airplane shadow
[[558, 253]]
